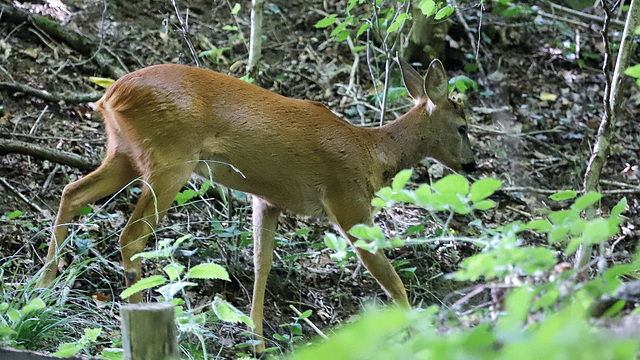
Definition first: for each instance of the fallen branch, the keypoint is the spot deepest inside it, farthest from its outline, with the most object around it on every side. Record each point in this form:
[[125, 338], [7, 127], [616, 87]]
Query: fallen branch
[[529, 189], [584, 16], [33, 205], [83, 44], [47, 96], [58, 156]]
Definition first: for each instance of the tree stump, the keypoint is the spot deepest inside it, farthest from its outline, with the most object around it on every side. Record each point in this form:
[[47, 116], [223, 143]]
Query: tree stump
[[149, 331]]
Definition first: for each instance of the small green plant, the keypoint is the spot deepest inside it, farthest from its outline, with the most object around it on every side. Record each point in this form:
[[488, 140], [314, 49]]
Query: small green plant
[[385, 17], [541, 319], [189, 320], [88, 339], [188, 194], [462, 83], [45, 321], [14, 318], [12, 215], [295, 329]]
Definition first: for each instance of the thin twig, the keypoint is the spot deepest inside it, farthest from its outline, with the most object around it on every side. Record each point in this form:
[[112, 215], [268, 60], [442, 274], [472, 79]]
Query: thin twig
[[593, 18], [184, 30], [37, 122], [618, 183], [528, 189], [24, 198], [472, 41], [306, 320]]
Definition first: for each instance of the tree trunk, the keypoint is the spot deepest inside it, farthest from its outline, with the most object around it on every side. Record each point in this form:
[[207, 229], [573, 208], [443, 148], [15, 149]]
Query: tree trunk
[[607, 124], [255, 42]]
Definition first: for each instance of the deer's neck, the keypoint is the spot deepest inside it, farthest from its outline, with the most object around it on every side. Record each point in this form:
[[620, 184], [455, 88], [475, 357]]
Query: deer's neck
[[401, 144]]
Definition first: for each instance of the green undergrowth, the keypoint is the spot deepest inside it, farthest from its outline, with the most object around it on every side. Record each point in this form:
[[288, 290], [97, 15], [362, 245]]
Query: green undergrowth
[[540, 308], [546, 313]]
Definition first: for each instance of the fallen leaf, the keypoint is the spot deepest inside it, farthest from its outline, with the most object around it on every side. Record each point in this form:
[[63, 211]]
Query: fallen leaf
[[547, 96]]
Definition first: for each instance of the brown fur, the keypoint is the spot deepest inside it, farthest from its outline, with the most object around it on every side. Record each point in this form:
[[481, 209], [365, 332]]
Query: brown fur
[[164, 122]]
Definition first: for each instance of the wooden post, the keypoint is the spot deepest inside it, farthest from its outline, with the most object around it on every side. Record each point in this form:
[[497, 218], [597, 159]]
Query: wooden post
[[148, 331]]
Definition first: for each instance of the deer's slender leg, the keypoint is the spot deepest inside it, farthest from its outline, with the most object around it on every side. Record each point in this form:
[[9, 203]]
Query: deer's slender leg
[[265, 221]]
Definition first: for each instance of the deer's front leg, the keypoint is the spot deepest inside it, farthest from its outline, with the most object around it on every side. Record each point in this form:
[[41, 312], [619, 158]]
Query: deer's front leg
[[265, 221]]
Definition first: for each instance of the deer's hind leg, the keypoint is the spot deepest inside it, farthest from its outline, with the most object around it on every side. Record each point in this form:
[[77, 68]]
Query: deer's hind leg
[[114, 174], [159, 189]]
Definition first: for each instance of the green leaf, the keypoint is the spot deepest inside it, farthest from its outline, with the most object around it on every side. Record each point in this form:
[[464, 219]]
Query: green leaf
[[338, 244], [227, 312], [208, 271], [85, 211], [344, 34], [396, 93], [586, 200], [546, 300], [182, 239], [327, 21], [364, 27], [484, 205], [517, 305], [174, 270], [185, 196], [13, 314], [615, 219], [563, 195], [67, 350], [143, 284], [351, 5], [619, 208], [615, 308], [205, 185], [428, 7], [296, 329], [397, 23], [334, 242], [92, 334], [236, 9], [423, 195], [305, 314], [282, 338], [595, 231], [444, 12], [339, 28], [378, 202], [400, 180], [13, 214], [633, 71], [33, 305], [541, 225], [170, 290], [452, 184], [483, 188], [112, 354], [362, 231], [462, 83]]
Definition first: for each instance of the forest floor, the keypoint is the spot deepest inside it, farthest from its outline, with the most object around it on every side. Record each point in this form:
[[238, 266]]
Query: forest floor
[[538, 145]]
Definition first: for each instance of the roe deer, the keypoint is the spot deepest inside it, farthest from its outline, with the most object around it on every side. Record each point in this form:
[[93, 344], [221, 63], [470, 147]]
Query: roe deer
[[166, 121]]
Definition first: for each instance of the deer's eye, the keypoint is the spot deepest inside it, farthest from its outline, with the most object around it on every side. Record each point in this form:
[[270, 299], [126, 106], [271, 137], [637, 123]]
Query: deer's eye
[[462, 129]]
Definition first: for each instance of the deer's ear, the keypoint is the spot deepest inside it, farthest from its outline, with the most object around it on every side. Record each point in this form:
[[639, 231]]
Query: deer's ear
[[436, 83], [412, 81]]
